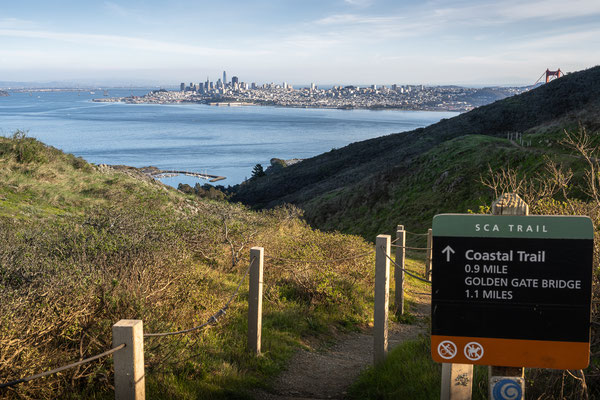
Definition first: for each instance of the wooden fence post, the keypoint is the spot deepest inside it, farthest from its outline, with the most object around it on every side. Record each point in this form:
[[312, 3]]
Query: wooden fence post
[[382, 291], [399, 270], [508, 204], [255, 299], [429, 255], [129, 361]]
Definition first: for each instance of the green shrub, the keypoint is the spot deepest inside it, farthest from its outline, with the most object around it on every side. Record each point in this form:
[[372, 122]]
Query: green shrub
[[27, 150], [407, 373]]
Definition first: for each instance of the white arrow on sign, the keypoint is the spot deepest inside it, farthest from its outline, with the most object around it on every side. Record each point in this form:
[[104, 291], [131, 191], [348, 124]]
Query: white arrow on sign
[[448, 250]]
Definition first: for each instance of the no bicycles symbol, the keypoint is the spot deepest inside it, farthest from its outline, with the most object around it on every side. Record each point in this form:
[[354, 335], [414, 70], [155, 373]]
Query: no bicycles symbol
[[446, 349]]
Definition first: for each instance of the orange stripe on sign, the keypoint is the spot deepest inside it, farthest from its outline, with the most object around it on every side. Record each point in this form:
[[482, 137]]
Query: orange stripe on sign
[[510, 352]]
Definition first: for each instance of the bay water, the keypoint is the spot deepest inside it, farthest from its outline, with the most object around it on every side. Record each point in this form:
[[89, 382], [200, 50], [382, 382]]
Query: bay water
[[225, 141]]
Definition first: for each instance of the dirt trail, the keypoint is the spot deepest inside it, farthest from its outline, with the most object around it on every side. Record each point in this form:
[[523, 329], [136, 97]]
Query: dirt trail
[[328, 373]]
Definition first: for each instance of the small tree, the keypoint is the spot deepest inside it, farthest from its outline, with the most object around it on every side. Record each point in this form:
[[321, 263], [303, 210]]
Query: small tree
[[257, 171]]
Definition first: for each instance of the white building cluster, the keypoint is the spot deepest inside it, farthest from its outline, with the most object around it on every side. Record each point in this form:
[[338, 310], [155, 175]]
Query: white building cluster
[[408, 97]]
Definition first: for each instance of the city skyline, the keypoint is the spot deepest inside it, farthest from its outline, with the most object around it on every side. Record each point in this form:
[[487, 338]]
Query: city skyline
[[333, 42]]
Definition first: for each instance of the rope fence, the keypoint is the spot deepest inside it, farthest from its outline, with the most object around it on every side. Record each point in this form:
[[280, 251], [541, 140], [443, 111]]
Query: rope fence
[[59, 369], [410, 233], [411, 248], [417, 234], [383, 260], [213, 318], [129, 367], [419, 293], [409, 273], [333, 260]]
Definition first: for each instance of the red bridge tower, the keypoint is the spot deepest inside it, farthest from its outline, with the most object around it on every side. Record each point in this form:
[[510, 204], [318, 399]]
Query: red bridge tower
[[550, 75]]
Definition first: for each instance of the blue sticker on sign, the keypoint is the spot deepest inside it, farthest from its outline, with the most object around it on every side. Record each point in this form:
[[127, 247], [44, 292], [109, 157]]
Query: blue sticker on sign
[[507, 389]]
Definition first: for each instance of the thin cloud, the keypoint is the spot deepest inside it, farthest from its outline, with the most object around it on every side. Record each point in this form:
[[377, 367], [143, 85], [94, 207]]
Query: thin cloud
[[550, 9], [354, 27], [359, 3], [354, 19], [419, 21], [311, 41], [117, 9], [16, 23], [125, 42], [479, 14], [569, 40], [494, 13]]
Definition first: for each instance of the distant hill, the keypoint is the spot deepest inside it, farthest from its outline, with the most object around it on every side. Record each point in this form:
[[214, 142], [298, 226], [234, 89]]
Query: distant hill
[[486, 95], [368, 187]]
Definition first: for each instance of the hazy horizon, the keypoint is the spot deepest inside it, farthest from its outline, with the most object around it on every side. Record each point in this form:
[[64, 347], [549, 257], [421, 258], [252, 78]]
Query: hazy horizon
[[83, 84]]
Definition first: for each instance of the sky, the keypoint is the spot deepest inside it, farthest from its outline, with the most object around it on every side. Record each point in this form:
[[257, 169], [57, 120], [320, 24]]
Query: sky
[[473, 42]]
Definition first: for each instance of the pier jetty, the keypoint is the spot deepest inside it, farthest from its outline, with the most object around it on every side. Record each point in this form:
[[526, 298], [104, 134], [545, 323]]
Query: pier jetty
[[167, 173]]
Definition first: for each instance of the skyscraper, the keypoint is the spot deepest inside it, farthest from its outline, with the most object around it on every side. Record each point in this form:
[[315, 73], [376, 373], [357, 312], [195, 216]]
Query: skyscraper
[[224, 78], [234, 80]]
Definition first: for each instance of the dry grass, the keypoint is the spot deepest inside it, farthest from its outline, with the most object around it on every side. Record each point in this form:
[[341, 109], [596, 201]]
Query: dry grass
[[82, 247]]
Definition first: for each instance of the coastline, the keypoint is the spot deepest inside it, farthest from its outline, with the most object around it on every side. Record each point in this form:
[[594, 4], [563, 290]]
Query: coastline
[[138, 100], [406, 98], [193, 136]]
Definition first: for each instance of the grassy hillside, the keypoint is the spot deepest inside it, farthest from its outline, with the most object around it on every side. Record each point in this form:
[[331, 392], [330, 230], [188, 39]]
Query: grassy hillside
[[409, 367], [393, 176], [446, 178], [82, 247]]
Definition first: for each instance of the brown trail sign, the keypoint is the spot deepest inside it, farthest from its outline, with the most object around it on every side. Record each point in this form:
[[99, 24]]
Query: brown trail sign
[[511, 290]]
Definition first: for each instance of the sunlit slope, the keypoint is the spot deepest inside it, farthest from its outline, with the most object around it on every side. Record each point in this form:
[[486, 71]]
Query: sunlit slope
[[83, 246]]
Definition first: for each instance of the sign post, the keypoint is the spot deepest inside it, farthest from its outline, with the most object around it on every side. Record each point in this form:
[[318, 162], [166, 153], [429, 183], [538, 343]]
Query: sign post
[[512, 291], [506, 382]]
